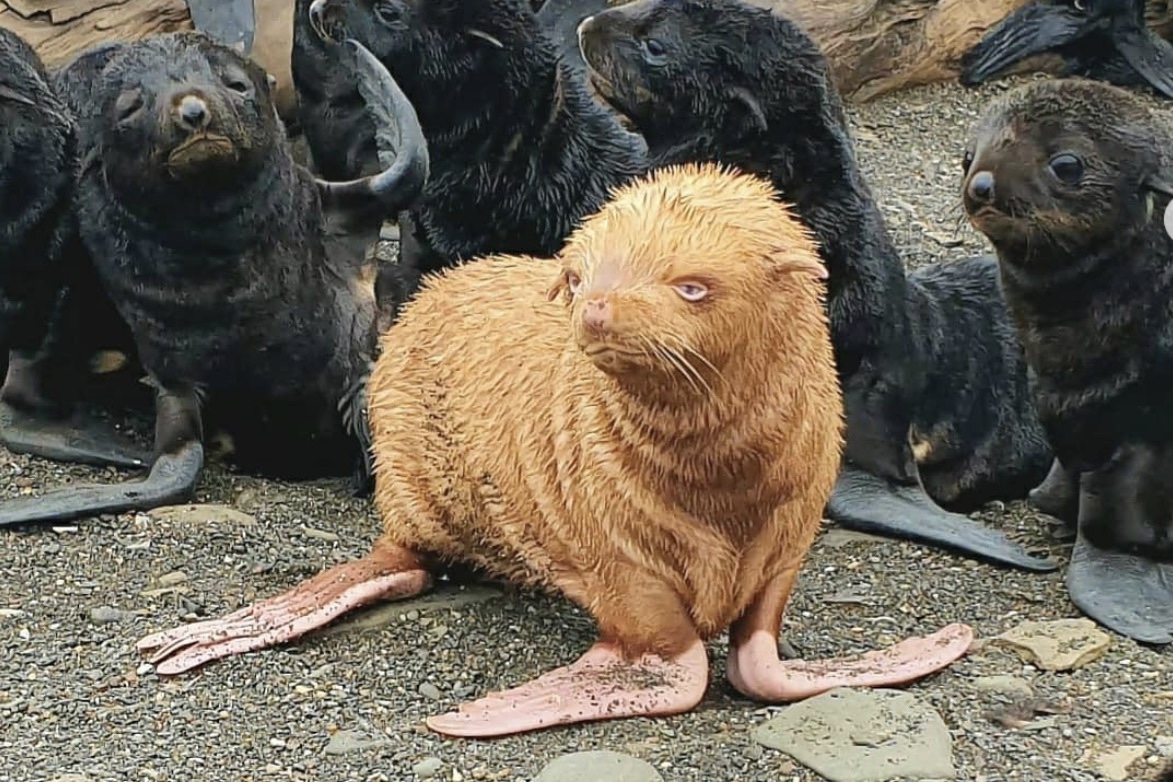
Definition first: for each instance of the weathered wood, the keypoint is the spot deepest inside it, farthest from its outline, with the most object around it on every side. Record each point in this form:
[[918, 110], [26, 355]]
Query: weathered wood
[[61, 29], [877, 46]]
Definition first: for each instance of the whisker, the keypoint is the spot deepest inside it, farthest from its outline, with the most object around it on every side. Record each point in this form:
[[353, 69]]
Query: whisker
[[687, 365]]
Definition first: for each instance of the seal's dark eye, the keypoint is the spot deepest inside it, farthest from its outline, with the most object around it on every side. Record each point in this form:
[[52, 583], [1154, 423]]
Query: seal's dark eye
[[387, 13], [574, 283], [1067, 168], [966, 161], [237, 84], [654, 49], [128, 104], [1079, 5]]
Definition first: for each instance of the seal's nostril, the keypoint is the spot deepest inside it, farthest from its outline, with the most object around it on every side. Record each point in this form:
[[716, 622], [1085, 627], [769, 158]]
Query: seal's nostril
[[192, 112], [981, 186]]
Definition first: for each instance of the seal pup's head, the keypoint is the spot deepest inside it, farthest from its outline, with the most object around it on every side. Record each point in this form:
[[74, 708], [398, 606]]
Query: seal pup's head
[[440, 51], [180, 112], [667, 66], [682, 276], [1065, 165], [30, 114]]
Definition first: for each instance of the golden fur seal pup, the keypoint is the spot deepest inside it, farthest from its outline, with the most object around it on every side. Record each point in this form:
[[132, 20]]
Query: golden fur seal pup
[[654, 437]]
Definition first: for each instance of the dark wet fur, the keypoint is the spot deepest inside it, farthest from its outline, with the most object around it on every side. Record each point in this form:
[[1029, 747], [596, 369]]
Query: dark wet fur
[[330, 111], [267, 330], [38, 156], [1087, 42], [934, 349], [1087, 270], [986, 442], [520, 151]]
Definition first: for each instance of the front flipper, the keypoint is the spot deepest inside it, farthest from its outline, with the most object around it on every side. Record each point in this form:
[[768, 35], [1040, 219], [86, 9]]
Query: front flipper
[[173, 476], [1124, 592], [403, 151], [29, 424], [230, 22], [561, 19], [600, 685], [867, 503]]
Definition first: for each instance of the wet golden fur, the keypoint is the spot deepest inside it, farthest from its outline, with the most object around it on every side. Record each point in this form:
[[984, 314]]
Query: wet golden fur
[[663, 493]]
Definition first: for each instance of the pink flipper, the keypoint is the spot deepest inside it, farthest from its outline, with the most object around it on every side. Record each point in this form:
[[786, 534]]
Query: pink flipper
[[755, 669], [385, 573], [600, 685]]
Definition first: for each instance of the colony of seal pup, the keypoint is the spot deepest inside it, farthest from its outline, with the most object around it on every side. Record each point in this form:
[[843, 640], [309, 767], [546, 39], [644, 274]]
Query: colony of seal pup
[[645, 328]]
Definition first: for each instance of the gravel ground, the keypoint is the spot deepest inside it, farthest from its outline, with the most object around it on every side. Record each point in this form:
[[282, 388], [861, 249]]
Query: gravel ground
[[76, 699]]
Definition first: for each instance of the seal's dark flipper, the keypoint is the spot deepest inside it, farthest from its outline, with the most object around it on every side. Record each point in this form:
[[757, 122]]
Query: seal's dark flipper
[[867, 503], [561, 19], [230, 22], [1149, 55], [1128, 594], [1032, 29], [173, 477], [67, 440], [403, 151]]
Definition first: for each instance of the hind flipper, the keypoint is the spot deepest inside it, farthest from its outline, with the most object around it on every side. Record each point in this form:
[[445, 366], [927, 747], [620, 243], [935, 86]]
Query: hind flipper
[[173, 476], [867, 503], [1126, 593]]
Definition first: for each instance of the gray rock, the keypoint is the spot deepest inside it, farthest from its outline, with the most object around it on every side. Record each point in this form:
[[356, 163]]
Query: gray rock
[[428, 768], [1057, 645], [347, 741], [863, 736], [598, 766], [1004, 685], [429, 690], [105, 615], [208, 513]]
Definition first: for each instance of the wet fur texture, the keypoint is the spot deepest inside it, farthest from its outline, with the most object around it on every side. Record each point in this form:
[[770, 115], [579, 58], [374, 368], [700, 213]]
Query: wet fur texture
[[330, 111], [934, 350], [1087, 269], [520, 151], [215, 254], [38, 156], [655, 495]]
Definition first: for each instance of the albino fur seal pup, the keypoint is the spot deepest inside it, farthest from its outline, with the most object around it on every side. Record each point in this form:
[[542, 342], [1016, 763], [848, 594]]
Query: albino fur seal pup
[[1099, 39], [246, 283], [1070, 181], [651, 431], [520, 152], [933, 378]]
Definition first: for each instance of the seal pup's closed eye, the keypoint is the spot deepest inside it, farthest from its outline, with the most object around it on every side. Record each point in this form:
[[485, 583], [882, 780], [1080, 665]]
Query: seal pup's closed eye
[[653, 436], [1070, 180]]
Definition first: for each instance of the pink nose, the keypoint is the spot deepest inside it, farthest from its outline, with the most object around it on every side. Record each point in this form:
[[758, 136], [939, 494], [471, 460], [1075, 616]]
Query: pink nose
[[597, 315]]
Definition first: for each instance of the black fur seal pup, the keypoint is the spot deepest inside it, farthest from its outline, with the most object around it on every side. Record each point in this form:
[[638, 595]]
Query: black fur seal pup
[[247, 284], [928, 364], [42, 299], [520, 151], [1071, 180], [1098, 39]]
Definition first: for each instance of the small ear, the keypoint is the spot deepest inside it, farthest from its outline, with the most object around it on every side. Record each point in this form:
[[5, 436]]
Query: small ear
[[786, 262], [560, 287], [475, 33], [756, 117]]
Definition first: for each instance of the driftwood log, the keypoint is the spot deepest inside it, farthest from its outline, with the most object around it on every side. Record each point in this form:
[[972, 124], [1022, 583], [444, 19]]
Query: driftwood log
[[61, 29], [875, 46]]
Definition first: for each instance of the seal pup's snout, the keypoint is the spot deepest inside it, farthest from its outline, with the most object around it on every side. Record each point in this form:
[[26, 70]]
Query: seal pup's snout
[[980, 187], [597, 316], [191, 113]]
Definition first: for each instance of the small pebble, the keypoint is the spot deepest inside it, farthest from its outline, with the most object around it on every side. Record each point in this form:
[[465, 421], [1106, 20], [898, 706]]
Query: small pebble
[[104, 615], [429, 690], [428, 768]]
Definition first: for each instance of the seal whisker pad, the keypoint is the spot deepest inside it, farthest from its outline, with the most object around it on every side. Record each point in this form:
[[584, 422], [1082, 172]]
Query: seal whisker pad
[[525, 423], [1070, 181]]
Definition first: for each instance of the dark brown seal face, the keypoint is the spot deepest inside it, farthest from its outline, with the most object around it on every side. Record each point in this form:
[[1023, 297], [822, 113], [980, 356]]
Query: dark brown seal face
[[1048, 171], [196, 114]]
